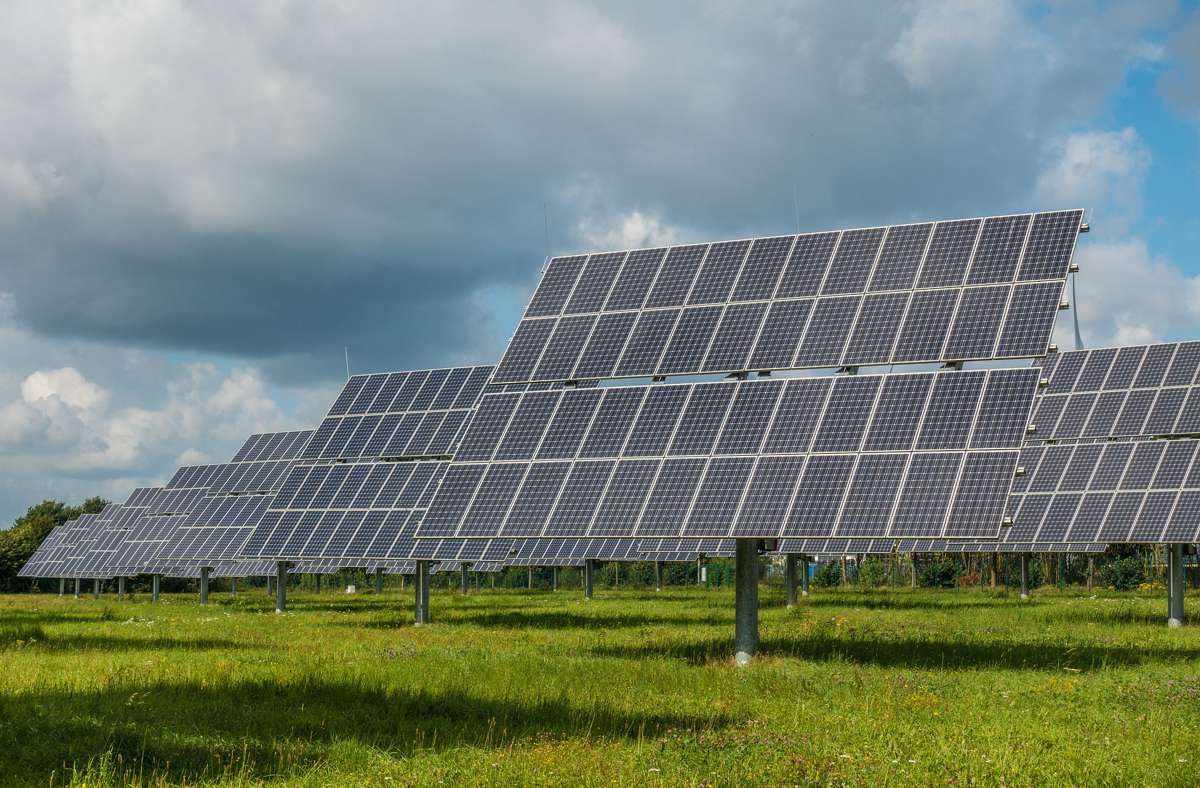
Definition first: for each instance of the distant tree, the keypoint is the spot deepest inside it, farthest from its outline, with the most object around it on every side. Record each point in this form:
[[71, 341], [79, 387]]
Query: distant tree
[[29, 530]]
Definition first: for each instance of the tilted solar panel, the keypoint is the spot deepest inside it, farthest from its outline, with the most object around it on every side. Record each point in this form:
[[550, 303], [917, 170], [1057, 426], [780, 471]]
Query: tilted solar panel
[[762, 458], [945, 291], [1136, 391]]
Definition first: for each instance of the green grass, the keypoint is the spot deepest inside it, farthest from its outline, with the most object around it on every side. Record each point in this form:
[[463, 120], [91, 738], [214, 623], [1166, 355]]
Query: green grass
[[873, 688]]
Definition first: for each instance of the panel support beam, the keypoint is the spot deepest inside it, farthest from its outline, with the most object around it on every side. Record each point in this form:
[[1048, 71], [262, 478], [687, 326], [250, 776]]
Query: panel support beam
[[281, 587], [1175, 586], [746, 601], [1024, 575], [789, 579], [204, 585], [421, 594]]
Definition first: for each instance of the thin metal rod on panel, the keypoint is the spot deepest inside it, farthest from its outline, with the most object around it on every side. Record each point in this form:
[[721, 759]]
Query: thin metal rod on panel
[[347, 349], [1075, 314]]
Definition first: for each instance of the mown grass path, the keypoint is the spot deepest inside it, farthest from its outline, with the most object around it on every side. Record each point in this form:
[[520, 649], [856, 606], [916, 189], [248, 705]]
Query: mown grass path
[[872, 688]]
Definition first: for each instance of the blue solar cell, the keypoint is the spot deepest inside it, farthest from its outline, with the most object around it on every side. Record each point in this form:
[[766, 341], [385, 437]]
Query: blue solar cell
[[527, 425], [1051, 243], [656, 421], [763, 268], [983, 491], [613, 421], [690, 340], [1030, 320], [734, 339], [634, 281], [580, 498], [492, 500], [951, 411], [676, 276], [671, 497], [805, 269], [949, 253], [486, 427], [926, 494], [536, 498], [819, 495], [702, 418], [977, 323], [780, 335], [624, 498], [749, 416], [595, 283], [903, 251], [646, 342], [876, 329], [604, 346], [999, 249], [926, 325], [556, 286], [898, 413], [853, 261], [798, 413], [872, 493], [524, 350], [569, 424], [720, 270], [827, 331], [718, 497]]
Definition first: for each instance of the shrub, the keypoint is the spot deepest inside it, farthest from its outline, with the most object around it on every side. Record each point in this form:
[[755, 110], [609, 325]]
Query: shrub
[[827, 574], [872, 572], [941, 572], [1123, 574]]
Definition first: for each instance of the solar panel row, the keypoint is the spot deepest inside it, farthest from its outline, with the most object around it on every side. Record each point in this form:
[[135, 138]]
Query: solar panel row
[[922, 454], [913, 293], [1144, 491]]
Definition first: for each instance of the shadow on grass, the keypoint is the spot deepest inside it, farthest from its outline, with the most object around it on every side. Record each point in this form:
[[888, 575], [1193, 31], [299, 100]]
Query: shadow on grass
[[188, 731], [912, 653], [1096, 614], [903, 601], [38, 640], [543, 619]]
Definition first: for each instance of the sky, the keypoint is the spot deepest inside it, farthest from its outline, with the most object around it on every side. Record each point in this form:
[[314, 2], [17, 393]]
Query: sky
[[203, 204]]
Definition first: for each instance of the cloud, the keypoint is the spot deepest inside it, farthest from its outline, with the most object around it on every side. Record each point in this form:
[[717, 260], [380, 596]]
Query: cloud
[[1104, 171], [277, 181]]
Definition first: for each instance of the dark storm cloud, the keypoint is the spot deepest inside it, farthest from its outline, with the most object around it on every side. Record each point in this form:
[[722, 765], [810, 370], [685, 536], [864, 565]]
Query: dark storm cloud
[[277, 182]]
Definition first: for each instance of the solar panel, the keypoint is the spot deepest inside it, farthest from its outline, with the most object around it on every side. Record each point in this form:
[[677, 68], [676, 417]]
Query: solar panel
[[817, 485], [1136, 491], [1145, 390], [945, 291], [398, 415]]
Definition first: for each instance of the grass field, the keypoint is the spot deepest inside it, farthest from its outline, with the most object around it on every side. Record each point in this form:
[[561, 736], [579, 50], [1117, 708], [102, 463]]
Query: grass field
[[634, 687]]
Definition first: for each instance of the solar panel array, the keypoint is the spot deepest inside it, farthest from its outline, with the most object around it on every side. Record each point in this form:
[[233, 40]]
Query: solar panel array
[[399, 414], [81, 534], [936, 291], [363, 508], [829, 547], [573, 552], [221, 504], [1143, 390], [902, 455], [45, 562], [112, 528], [685, 550], [1143, 491]]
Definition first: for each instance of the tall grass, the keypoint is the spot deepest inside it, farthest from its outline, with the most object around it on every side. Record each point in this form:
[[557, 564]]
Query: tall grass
[[633, 687]]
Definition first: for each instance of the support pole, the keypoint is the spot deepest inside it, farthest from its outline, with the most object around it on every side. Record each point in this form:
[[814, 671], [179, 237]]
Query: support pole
[[699, 571], [62, 586], [120, 589], [316, 584], [804, 576], [529, 581], [154, 587], [554, 578], [233, 586], [1062, 570], [1024, 575], [789, 579], [281, 587], [204, 585], [268, 585], [587, 579], [658, 575], [1091, 572], [421, 594], [96, 588], [464, 579], [746, 601], [1175, 585], [995, 565], [378, 581], [78, 582]]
